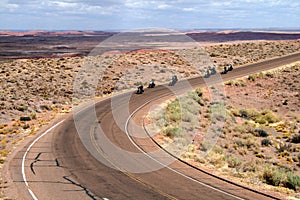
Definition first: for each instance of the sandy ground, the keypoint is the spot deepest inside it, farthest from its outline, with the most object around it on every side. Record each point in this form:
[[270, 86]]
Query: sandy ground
[[42, 89]]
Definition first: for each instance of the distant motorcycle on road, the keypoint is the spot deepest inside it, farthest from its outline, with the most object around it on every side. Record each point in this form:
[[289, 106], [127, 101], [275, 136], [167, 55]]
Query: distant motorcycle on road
[[225, 70], [210, 71], [151, 84], [173, 80], [140, 89]]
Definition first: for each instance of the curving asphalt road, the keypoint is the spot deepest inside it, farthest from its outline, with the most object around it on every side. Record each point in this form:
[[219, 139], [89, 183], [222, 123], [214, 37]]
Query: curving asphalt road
[[103, 152]]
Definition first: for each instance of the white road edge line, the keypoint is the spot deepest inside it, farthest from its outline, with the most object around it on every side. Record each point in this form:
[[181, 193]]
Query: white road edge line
[[204, 184], [25, 155]]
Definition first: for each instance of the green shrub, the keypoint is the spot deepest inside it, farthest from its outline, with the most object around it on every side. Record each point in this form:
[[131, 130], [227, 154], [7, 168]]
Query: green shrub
[[217, 149], [172, 132], [199, 92], [296, 138], [251, 78], [251, 166], [204, 146], [263, 117], [173, 111], [230, 83], [214, 54], [269, 116], [266, 142], [173, 117], [260, 133], [274, 176], [248, 113], [33, 115], [233, 161], [187, 117], [284, 147], [293, 181]]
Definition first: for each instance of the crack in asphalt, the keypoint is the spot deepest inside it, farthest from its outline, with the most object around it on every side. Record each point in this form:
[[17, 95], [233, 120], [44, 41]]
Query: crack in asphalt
[[36, 159], [88, 193], [57, 163]]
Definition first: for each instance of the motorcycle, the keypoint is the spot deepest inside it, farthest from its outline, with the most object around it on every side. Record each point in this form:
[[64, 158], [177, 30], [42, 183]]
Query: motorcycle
[[140, 90], [173, 81], [224, 71], [213, 71], [207, 74], [210, 71], [151, 84]]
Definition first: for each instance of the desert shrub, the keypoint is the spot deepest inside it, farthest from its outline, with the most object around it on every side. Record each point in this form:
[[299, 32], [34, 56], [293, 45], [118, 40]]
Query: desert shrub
[[194, 96], [293, 181], [218, 108], [284, 147], [274, 176], [214, 54], [233, 161], [238, 143], [269, 74], [190, 104], [250, 143], [251, 78], [296, 138], [216, 159], [204, 146], [230, 83], [172, 131], [173, 111], [266, 142], [33, 115], [26, 126], [269, 116], [199, 92], [263, 117], [260, 133], [217, 149], [251, 166], [187, 117], [25, 118], [248, 113], [21, 108]]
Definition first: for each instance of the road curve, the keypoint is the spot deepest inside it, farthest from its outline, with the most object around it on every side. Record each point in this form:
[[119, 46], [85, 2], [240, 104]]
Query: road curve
[[91, 153]]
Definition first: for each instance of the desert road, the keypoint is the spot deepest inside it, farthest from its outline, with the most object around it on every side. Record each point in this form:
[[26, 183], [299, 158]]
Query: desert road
[[102, 151]]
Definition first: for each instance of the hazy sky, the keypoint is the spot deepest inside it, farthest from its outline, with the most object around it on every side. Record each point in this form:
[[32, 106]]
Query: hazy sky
[[140, 14]]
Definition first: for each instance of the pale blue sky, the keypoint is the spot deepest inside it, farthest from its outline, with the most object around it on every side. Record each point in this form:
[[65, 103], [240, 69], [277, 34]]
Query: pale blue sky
[[140, 14]]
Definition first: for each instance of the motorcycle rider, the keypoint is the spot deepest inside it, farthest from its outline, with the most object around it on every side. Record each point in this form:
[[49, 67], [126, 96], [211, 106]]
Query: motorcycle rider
[[140, 89], [151, 84]]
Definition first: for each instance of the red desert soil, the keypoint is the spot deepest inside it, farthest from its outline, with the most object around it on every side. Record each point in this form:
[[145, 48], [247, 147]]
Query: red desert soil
[[42, 89]]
